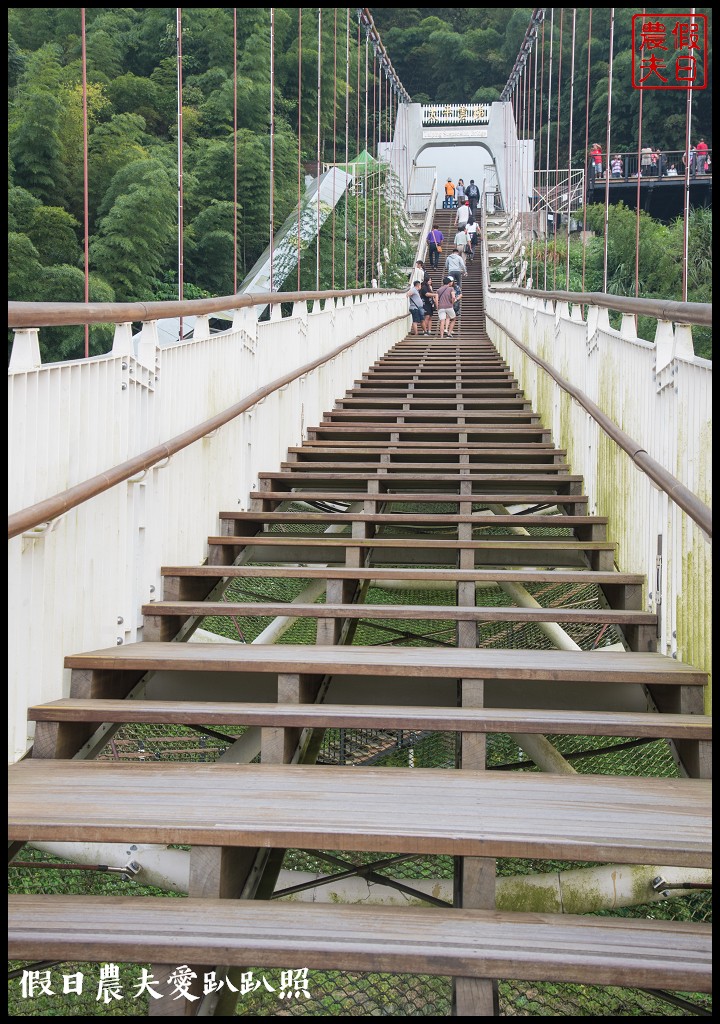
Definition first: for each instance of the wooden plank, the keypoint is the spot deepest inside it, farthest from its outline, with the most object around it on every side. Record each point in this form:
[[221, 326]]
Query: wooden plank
[[595, 616], [416, 940], [534, 521], [512, 543], [582, 576], [568, 666], [399, 810], [499, 498], [378, 716]]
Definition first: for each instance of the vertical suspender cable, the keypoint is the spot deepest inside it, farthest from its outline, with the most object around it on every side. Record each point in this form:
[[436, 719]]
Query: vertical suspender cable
[[235, 174], [335, 126], [558, 193], [367, 157], [347, 140], [86, 205], [547, 154], [538, 147], [607, 151], [686, 203], [570, 151], [299, 175], [389, 133], [319, 154], [637, 198], [272, 142], [373, 144], [356, 170], [586, 162], [180, 161]]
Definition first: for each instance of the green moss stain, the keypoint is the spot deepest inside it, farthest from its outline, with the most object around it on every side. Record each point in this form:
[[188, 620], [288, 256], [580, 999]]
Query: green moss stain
[[522, 895]]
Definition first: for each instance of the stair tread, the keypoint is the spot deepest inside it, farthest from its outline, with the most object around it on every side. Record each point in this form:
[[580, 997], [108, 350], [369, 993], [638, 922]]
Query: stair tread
[[376, 716], [498, 498], [399, 810], [333, 540], [410, 518], [485, 575], [470, 943], [413, 611], [596, 666]]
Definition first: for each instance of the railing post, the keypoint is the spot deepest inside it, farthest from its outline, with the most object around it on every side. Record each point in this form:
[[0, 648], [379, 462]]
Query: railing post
[[25, 353]]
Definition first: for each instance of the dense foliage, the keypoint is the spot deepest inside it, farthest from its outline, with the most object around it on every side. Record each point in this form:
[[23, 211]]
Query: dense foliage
[[659, 262], [440, 54]]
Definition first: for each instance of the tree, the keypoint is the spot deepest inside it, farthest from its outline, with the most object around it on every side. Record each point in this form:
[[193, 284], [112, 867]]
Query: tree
[[36, 148], [54, 233], [137, 234]]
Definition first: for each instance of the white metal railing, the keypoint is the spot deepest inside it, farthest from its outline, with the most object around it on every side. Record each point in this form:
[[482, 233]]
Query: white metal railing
[[78, 582], [421, 251], [661, 396], [423, 181]]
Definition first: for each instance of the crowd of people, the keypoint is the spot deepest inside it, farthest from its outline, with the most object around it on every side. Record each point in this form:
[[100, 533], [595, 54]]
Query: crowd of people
[[654, 163], [423, 299]]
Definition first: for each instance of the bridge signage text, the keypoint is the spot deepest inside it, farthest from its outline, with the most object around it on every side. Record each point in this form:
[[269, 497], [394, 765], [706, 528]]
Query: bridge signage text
[[455, 113]]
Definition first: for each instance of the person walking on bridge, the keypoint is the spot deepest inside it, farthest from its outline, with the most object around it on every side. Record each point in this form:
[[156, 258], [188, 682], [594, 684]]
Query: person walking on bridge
[[472, 193], [445, 303], [449, 201], [434, 241], [462, 215], [456, 269]]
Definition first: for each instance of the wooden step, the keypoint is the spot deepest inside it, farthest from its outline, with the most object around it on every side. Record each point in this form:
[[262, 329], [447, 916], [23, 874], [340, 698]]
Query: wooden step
[[398, 810], [511, 550], [444, 520], [500, 498], [428, 662], [377, 716], [538, 477], [415, 940], [182, 610], [418, 469]]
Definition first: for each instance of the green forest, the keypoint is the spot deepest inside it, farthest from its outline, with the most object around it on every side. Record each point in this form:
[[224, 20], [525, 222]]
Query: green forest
[[439, 54]]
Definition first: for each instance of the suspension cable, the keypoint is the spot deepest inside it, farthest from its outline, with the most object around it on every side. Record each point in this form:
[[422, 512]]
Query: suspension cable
[[235, 164], [570, 151], [549, 132], [299, 149], [178, 28], [538, 148], [319, 165], [686, 203], [272, 141], [587, 138], [334, 172], [637, 199], [367, 157], [86, 205], [558, 194], [607, 151], [347, 140], [373, 144], [355, 169]]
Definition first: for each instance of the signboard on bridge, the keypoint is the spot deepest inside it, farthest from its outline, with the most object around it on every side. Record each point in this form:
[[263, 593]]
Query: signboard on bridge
[[456, 113]]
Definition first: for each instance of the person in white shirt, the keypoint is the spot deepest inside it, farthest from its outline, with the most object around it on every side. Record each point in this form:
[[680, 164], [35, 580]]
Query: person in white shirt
[[462, 215], [418, 274], [471, 230]]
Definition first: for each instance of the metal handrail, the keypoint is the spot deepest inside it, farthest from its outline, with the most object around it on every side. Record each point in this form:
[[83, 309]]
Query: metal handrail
[[66, 314], [59, 504], [675, 490], [698, 313]]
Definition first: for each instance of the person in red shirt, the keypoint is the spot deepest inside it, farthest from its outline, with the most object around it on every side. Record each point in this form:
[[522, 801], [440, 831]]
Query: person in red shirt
[[596, 158], [701, 153]]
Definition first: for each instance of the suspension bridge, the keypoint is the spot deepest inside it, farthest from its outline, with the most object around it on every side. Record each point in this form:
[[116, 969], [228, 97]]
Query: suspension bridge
[[262, 575]]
